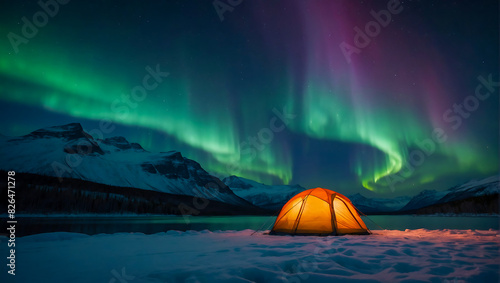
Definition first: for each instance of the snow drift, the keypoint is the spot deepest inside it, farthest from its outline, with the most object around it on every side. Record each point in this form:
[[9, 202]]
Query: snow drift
[[386, 256]]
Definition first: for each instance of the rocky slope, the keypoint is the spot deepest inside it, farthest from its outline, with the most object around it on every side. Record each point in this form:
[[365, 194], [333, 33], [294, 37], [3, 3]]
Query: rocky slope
[[67, 151]]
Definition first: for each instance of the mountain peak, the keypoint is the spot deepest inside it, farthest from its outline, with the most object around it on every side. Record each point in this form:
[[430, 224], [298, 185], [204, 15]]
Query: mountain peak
[[117, 139], [231, 178], [106, 162], [71, 127], [122, 143], [240, 182], [271, 197], [69, 131], [357, 196]]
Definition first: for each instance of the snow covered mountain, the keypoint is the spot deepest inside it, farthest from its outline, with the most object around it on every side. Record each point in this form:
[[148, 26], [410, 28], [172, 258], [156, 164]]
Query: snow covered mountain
[[261, 195], [474, 188], [69, 152], [430, 198], [274, 197], [378, 205], [424, 198]]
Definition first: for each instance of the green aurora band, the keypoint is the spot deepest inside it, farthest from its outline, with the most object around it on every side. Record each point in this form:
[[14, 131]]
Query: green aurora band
[[207, 116], [87, 94]]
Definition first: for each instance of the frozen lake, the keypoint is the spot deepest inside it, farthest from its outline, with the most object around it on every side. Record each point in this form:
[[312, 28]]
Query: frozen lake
[[156, 224]]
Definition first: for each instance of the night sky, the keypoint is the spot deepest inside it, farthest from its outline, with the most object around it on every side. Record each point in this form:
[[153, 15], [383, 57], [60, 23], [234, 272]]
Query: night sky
[[275, 91]]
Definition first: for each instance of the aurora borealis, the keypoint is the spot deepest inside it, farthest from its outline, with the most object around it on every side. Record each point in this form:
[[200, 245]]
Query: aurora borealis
[[267, 93]]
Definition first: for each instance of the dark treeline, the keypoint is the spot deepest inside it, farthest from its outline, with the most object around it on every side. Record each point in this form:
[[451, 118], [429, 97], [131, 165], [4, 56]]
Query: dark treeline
[[480, 204], [45, 194]]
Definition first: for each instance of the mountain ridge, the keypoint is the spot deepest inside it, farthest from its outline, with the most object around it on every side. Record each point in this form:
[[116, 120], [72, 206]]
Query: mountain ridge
[[470, 189], [271, 197], [68, 151]]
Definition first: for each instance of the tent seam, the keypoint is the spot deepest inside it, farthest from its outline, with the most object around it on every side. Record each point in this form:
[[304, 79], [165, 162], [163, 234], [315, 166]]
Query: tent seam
[[277, 220], [361, 227], [296, 225]]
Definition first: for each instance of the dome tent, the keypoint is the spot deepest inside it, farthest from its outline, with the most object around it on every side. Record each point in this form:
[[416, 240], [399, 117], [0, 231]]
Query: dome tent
[[319, 212]]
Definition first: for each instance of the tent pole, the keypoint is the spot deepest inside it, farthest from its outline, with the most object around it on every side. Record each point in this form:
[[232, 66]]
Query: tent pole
[[369, 219]]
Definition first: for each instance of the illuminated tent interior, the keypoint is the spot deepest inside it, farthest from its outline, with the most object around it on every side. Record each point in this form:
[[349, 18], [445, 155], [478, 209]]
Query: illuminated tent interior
[[319, 212]]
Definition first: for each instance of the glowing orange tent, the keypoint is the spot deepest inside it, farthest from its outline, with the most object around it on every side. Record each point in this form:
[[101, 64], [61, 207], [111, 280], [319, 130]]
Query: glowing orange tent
[[319, 212]]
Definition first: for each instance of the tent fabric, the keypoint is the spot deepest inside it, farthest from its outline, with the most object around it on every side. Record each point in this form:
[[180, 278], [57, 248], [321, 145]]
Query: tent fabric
[[319, 212]]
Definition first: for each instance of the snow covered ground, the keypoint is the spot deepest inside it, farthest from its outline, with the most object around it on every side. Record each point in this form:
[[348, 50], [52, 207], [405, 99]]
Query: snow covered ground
[[238, 256]]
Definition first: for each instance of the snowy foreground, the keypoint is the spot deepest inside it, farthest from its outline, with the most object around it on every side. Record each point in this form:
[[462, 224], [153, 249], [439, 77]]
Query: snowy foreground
[[237, 256]]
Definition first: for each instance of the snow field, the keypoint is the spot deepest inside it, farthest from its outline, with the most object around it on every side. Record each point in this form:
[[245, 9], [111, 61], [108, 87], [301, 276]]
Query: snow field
[[238, 256]]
